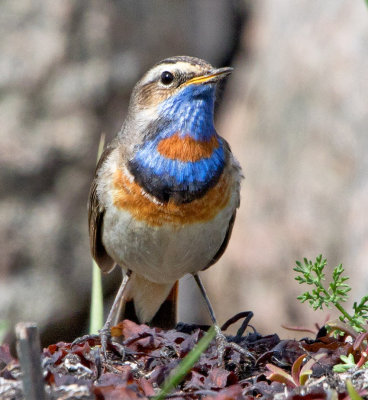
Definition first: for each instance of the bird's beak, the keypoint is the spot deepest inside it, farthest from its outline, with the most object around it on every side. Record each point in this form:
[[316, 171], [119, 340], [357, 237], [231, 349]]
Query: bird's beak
[[212, 76]]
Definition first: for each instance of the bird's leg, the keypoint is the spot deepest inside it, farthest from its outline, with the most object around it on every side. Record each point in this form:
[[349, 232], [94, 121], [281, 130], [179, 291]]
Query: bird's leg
[[220, 337], [206, 299], [105, 331]]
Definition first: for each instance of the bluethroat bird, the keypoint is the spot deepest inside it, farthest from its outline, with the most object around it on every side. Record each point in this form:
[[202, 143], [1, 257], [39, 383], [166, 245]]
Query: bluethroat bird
[[165, 193]]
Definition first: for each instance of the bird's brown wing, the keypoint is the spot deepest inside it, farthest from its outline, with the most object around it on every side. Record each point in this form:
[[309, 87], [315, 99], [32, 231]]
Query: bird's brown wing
[[237, 170], [95, 220], [224, 244]]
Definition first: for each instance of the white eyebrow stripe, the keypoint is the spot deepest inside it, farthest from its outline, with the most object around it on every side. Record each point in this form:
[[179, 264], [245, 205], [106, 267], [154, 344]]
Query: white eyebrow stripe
[[181, 66]]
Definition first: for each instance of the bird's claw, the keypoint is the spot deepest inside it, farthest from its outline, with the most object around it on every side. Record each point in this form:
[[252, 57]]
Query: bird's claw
[[106, 341], [107, 345], [222, 343], [85, 338]]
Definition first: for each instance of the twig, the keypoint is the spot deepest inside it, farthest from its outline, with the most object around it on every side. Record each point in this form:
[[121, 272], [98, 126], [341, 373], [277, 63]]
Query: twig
[[29, 350]]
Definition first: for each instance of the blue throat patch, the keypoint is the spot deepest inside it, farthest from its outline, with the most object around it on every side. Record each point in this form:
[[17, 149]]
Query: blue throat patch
[[193, 157]]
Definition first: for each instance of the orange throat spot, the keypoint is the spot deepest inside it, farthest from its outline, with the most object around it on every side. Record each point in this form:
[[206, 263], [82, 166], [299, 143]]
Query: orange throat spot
[[129, 196], [186, 148]]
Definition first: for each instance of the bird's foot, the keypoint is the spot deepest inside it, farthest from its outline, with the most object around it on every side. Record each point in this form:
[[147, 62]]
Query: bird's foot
[[85, 338], [102, 356], [107, 343], [223, 343]]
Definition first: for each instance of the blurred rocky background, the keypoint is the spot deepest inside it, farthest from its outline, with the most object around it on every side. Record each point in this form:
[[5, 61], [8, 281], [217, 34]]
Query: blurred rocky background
[[294, 113]]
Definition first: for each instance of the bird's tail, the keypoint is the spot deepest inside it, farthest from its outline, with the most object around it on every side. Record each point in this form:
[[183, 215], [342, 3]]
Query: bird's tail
[[148, 302]]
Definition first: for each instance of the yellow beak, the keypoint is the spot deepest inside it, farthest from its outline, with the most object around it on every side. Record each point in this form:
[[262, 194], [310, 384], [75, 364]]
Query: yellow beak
[[212, 76]]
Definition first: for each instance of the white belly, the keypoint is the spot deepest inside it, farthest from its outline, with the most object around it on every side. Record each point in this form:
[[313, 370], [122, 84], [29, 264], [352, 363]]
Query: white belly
[[163, 254]]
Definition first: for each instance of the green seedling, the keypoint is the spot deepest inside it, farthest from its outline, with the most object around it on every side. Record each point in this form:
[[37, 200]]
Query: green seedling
[[333, 294], [96, 310], [348, 363], [4, 328], [353, 394], [179, 373]]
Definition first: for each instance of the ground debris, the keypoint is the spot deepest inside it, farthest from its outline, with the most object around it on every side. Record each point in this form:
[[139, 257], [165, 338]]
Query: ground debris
[[79, 372]]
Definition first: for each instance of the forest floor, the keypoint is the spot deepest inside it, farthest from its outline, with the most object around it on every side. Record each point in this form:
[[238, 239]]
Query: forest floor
[[270, 367]]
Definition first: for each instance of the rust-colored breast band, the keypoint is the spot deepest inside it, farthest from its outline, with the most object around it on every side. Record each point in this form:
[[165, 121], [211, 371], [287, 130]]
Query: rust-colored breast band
[[185, 148], [129, 196]]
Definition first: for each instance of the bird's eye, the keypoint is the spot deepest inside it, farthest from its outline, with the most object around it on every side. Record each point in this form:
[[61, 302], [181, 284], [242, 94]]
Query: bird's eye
[[167, 77]]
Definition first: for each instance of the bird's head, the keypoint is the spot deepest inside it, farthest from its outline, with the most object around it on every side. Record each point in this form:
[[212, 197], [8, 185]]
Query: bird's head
[[178, 91], [169, 136]]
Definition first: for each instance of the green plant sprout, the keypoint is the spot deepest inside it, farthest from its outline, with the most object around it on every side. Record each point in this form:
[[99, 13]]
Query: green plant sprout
[[179, 373], [348, 363], [96, 310], [4, 327], [353, 394], [335, 293]]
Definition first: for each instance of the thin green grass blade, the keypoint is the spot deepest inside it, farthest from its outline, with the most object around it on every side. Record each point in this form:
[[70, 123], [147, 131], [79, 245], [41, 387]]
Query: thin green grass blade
[[96, 310], [4, 328], [101, 146], [179, 373], [353, 394]]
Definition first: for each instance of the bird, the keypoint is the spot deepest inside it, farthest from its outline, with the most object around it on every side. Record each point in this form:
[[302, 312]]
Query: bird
[[165, 193]]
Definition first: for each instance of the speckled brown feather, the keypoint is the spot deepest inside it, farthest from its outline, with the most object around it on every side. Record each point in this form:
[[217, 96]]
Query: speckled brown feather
[[95, 219]]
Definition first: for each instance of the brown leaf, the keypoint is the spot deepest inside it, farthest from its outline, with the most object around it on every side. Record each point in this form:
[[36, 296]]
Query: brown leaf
[[217, 378], [5, 356], [233, 392], [117, 393], [194, 381], [146, 386]]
